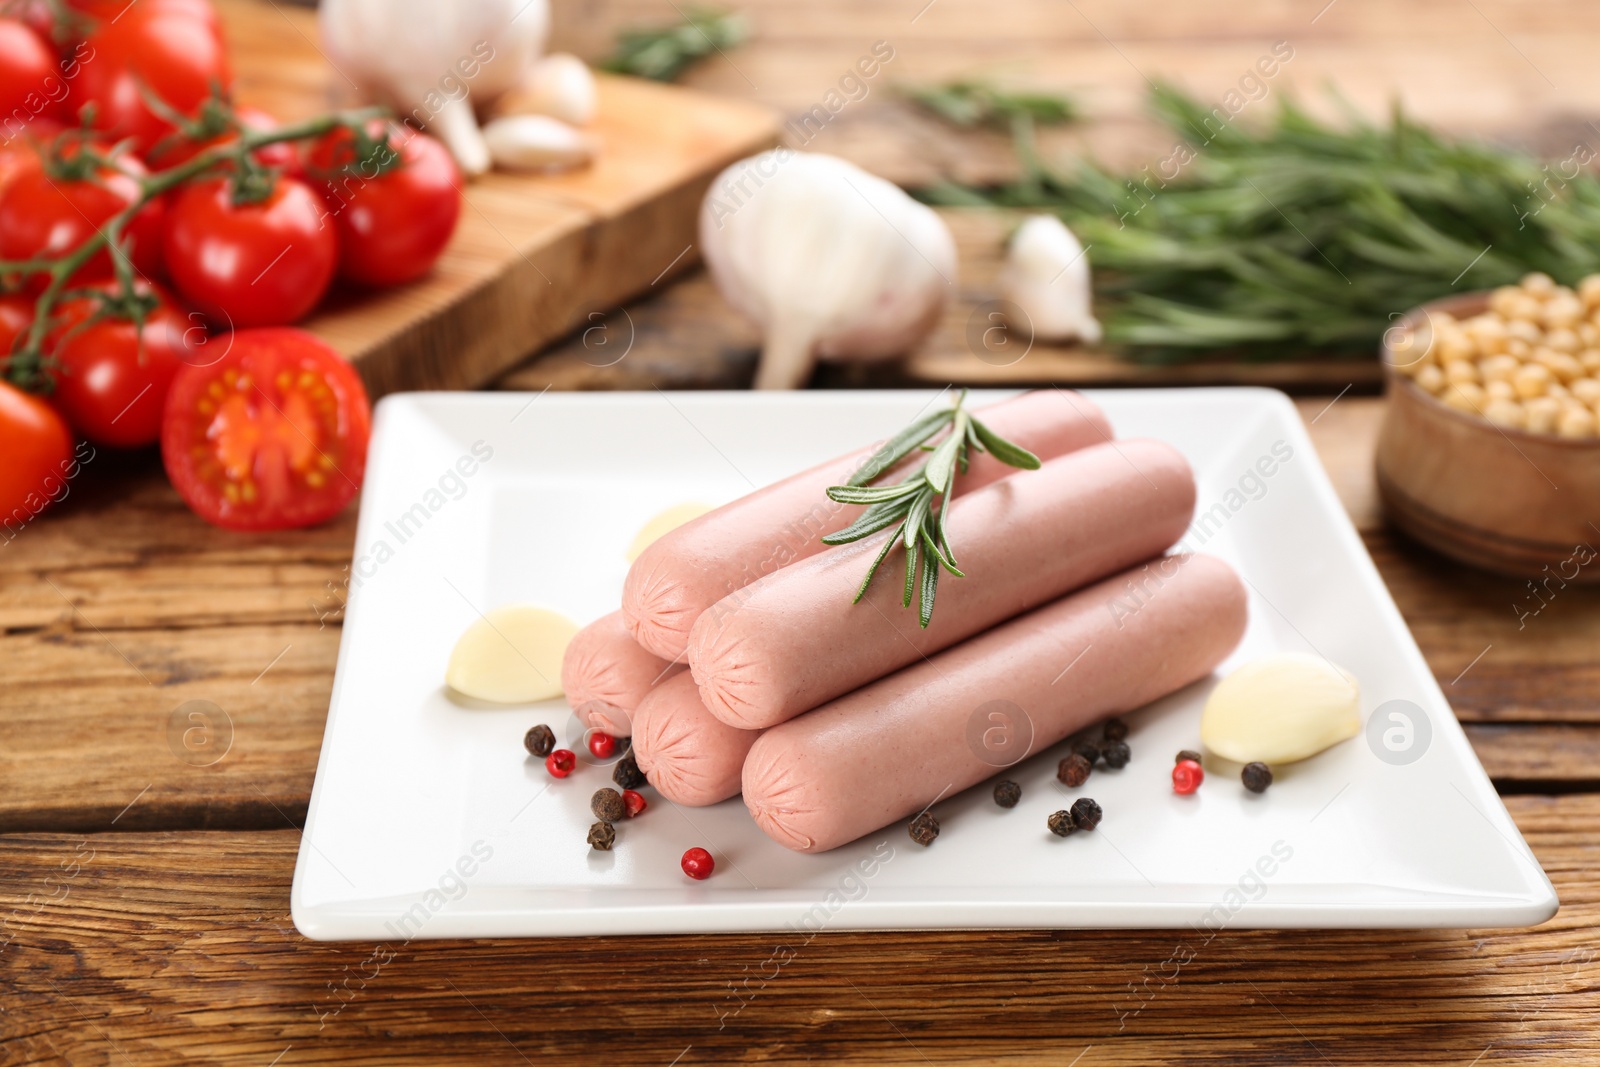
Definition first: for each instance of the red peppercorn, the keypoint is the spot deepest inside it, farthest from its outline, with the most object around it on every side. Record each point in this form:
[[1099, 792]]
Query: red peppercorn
[[602, 745], [1186, 777], [560, 763], [698, 864], [633, 802]]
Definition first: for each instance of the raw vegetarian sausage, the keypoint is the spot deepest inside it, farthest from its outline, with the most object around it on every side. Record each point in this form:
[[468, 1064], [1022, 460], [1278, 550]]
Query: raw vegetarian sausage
[[688, 755], [794, 640], [893, 748], [605, 674], [692, 567]]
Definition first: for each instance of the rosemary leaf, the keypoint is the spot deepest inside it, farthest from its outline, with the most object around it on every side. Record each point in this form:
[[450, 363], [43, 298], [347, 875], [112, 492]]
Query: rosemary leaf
[[1004, 451], [930, 585], [875, 518], [663, 53], [872, 494], [883, 554], [900, 446], [942, 463], [912, 545]]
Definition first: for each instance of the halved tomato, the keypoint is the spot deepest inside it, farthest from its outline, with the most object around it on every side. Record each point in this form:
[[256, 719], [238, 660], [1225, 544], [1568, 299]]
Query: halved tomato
[[272, 435]]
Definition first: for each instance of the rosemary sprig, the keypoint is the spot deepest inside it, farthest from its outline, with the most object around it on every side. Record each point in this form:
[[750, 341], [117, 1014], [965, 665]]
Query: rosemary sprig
[[979, 103], [917, 503], [1290, 237], [662, 54]]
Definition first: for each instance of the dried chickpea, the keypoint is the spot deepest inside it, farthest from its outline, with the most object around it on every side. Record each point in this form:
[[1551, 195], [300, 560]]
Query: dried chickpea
[[1562, 311], [1532, 379], [1557, 390], [1588, 334], [1562, 339], [1576, 422], [1565, 367], [1498, 368], [1518, 349], [1590, 358], [1499, 390], [1542, 412], [1507, 413], [1464, 396], [1461, 370], [1488, 332], [1452, 345], [1525, 331], [1589, 291], [1431, 378], [1586, 390], [1412, 350], [1538, 284], [1503, 299]]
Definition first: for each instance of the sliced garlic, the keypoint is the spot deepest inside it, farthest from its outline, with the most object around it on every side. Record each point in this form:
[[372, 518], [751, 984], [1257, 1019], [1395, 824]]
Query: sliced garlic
[[512, 655], [1281, 709], [537, 142], [664, 523]]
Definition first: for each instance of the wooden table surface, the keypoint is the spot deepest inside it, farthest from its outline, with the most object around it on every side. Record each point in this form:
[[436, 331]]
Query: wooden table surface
[[144, 901]]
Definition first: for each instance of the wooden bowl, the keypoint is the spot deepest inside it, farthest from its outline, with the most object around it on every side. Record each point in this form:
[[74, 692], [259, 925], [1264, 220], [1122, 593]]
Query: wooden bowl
[[1501, 499]]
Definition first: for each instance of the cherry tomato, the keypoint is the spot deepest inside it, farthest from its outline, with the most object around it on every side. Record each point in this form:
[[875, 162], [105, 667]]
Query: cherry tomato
[[31, 85], [175, 149], [112, 377], [394, 214], [272, 435], [253, 264], [159, 50], [43, 215], [37, 447], [16, 315], [111, 10], [37, 15]]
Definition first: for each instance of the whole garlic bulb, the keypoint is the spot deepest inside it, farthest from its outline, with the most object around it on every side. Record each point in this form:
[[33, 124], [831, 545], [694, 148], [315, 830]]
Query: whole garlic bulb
[[434, 61], [1046, 275], [833, 262]]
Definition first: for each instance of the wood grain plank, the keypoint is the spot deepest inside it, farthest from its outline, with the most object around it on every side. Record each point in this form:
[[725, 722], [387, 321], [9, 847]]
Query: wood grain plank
[[109, 958]]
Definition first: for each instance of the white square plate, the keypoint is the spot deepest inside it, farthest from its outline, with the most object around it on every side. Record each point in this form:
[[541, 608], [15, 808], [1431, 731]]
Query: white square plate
[[428, 819]]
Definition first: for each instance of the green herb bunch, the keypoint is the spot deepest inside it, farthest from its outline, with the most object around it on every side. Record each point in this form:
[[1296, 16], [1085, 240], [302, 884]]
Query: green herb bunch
[[664, 53], [917, 503], [1300, 236]]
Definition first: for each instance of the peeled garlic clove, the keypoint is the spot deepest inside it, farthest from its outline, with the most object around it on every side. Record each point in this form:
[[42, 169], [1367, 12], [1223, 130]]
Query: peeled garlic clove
[[664, 523], [1281, 709], [537, 142], [1046, 275], [561, 86], [512, 655]]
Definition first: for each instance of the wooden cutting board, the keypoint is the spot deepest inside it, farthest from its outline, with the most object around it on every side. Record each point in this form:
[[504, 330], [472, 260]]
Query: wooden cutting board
[[534, 257]]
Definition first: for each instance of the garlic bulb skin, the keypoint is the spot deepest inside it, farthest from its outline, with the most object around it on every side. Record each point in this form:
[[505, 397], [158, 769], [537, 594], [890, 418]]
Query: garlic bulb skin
[[832, 262], [434, 62], [1046, 274], [537, 143], [561, 86]]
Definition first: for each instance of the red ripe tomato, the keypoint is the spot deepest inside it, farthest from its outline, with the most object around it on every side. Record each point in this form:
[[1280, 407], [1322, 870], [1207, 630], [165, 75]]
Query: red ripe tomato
[[252, 264], [31, 85], [37, 15], [271, 436], [159, 50], [16, 316], [176, 149], [37, 447], [112, 10], [43, 215], [394, 214], [112, 377]]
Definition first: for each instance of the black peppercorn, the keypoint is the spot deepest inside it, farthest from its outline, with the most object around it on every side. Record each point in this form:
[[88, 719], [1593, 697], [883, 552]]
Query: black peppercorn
[[1086, 813], [1088, 750], [1257, 776], [1189, 754], [1116, 754], [602, 835], [540, 740], [627, 773], [1007, 793], [1061, 824], [607, 804], [1114, 730], [1074, 770], [924, 828]]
